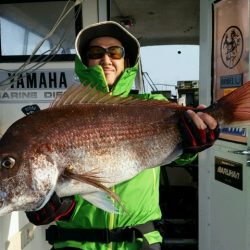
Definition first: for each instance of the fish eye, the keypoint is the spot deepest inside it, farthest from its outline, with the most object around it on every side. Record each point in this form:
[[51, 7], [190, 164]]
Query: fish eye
[[8, 162]]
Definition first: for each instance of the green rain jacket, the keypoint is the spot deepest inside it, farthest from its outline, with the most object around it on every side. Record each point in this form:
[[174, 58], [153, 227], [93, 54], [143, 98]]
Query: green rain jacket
[[140, 195]]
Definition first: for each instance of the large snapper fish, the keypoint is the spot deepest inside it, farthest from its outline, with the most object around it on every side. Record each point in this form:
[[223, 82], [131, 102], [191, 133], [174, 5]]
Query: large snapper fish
[[89, 141]]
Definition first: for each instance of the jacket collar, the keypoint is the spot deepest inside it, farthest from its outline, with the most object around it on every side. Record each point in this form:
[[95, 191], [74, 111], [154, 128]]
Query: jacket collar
[[95, 76]]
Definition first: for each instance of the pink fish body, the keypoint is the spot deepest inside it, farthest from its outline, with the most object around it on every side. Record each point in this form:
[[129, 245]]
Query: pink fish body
[[87, 141]]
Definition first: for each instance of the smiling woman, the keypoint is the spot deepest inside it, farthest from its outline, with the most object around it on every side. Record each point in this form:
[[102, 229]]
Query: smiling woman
[[167, 64], [113, 62]]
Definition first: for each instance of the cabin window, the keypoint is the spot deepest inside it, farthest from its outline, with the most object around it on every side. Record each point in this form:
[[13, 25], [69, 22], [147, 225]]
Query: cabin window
[[29, 28], [27, 40]]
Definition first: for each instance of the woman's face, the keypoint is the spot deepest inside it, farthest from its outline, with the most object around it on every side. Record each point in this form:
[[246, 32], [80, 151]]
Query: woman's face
[[112, 67]]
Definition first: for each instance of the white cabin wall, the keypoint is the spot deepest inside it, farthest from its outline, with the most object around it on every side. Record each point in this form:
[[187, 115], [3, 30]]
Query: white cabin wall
[[205, 98], [16, 232]]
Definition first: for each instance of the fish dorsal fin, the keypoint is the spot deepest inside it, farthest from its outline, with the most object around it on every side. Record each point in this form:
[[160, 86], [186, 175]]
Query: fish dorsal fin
[[79, 94]]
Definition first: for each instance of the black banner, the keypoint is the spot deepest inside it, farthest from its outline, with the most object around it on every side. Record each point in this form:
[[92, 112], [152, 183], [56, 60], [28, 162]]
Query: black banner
[[229, 172]]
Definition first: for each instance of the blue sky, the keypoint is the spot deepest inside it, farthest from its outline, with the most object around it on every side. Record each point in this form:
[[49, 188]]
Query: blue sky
[[168, 64]]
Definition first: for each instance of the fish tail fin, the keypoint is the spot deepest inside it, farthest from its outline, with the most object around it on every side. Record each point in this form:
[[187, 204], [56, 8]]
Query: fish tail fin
[[234, 108]]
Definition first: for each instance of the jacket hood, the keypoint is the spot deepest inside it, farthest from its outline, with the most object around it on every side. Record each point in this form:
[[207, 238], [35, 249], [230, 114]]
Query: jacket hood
[[112, 29], [95, 75]]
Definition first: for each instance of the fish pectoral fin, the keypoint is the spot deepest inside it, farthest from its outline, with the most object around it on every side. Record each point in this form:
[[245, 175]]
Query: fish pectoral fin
[[101, 200], [94, 180]]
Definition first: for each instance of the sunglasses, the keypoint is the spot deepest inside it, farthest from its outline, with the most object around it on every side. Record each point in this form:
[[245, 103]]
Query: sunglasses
[[97, 52]]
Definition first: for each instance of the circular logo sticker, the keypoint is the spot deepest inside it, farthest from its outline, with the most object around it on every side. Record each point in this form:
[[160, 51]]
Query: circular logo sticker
[[231, 47]]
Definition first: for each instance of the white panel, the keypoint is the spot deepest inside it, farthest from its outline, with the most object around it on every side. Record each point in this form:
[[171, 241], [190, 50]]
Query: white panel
[[14, 233], [205, 98], [89, 12], [94, 11], [229, 205], [13, 227], [102, 10]]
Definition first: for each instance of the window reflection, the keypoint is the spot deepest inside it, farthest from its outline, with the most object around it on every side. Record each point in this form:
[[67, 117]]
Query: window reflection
[[20, 41], [24, 25]]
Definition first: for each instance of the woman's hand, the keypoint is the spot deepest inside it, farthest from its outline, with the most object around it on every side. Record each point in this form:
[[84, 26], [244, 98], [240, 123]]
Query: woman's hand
[[199, 130]]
